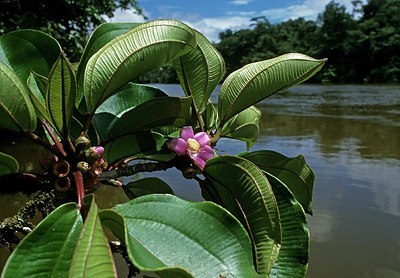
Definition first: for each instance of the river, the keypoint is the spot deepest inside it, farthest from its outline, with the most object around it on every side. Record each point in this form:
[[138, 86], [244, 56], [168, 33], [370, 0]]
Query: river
[[350, 136]]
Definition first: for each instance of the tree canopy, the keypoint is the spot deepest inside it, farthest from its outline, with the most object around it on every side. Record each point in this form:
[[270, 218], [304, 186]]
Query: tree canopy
[[69, 21], [361, 46]]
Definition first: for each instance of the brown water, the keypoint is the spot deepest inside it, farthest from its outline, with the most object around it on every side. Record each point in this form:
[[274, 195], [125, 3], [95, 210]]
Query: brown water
[[350, 135]]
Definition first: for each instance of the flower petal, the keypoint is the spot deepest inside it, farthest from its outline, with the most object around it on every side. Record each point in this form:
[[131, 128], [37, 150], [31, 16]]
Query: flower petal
[[206, 152], [196, 158], [187, 132], [179, 146], [202, 138]]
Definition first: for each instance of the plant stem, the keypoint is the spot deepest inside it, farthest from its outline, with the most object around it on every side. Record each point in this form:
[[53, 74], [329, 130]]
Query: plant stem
[[134, 169]]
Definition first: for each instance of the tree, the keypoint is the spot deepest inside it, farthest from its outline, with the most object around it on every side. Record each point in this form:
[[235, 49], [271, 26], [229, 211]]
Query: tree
[[69, 21]]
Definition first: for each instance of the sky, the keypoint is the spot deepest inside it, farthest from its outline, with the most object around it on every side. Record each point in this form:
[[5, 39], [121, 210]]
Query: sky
[[211, 17]]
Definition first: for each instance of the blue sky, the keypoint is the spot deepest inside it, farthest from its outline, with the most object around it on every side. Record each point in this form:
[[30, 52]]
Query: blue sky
[[211, 17]]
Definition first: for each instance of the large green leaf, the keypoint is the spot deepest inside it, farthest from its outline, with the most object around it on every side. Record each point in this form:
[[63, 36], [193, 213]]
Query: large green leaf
[[161, 111], [92, 255], [294, 172], [176, 238], [294, 253], [246, 193], [255, 82], [244, 126], [28, 50], [140, 144], [8, 164], [100, 37], [147, 186], [60, 94], [200, 71], [133, 53], [48, 250], [37, 85], [16, 110], [125, 99]]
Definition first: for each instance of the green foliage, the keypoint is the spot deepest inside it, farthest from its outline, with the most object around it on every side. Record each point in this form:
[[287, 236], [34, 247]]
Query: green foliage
[[254, 225], [293, 172], [8, 164], [361, 46], [49, 249], [153, 219], [68, 21]]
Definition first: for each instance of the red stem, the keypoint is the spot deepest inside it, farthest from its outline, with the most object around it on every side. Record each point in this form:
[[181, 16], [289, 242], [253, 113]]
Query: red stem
[[54, 138], [80, 190]]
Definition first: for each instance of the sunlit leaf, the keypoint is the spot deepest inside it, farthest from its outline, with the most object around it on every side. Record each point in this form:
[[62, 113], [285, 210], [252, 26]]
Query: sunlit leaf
[[294, 172], [60, 94], [255, 82], [148, 46], [100, 37], [244, 126], [246, 193], [147, 186], [92, 255], [294, 253], [8, 164], [200, 71], [24, 51], [176, 238], [210, 116], [16, 110], [48, 250]]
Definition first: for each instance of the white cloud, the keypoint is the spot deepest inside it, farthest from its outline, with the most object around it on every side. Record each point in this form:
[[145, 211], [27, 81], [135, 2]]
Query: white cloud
[[240, 2], [309, 9], [211, 27], [126, 16]]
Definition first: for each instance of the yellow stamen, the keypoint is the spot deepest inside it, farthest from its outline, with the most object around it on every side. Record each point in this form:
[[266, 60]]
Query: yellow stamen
[[193, 145]]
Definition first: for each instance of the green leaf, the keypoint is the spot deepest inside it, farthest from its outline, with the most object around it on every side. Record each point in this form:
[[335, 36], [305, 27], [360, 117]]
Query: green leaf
[[125, 99], [16, 110], [148, 46], [244, 126], [210, 116], [28, 50], [161, 111], [60, 94], [257, 81], [176, 238], [100, 37], [8, 164], [200, 71], [92, 255], [37, 85], [294, 172], [47, 251], [140, 144], [246, 193], [147, 186], [294, 253]]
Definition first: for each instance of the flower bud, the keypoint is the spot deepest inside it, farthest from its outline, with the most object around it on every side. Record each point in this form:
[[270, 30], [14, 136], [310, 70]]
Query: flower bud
[[83, 166]]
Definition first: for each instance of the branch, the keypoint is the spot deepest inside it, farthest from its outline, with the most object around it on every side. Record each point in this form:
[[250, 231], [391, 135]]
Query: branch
[[20, 222], [134, 169]]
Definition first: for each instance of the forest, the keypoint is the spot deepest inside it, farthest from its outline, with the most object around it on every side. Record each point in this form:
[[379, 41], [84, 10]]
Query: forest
[[362, 45]]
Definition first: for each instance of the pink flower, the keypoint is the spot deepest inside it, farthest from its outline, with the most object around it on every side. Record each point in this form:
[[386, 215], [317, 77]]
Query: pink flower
[[194, 145]]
